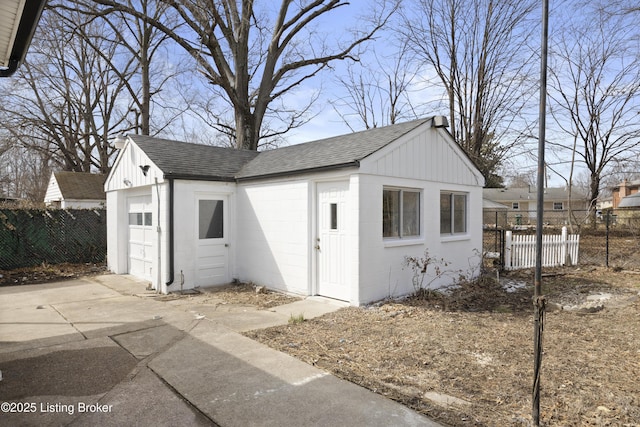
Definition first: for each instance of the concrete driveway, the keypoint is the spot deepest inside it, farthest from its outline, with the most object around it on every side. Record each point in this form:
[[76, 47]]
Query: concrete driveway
[[105, 351]]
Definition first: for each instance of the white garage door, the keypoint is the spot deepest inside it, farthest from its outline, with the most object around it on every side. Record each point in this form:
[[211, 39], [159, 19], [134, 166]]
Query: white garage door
[[140, 236]]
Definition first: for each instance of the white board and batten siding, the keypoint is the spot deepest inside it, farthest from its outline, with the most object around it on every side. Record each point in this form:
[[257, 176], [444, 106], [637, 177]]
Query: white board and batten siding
[[53, 193], [430, 162], [557, 250], [425, 156], [126, 172], [132, 245]]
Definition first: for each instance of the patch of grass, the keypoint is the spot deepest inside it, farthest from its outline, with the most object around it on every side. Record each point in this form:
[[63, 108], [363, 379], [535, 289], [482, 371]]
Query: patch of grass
[[296, 319]]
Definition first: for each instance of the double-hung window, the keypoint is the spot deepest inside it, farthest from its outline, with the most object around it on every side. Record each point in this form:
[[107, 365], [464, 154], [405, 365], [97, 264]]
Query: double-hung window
[[400, 213], [453, 213]]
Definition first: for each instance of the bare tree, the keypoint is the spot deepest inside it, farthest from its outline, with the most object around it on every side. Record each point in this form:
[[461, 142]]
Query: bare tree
[[377, 93], [478, 50], [86, 79], [24, 173], [594, 88], [66, 99], [256, 56]]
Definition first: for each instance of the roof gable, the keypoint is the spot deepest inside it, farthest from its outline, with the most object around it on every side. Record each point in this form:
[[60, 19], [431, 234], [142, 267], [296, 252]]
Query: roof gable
[[426, 153]]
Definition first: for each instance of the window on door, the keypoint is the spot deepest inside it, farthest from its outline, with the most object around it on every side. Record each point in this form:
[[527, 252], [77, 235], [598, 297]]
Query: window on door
[[210, 219], [140, 218], [334, 216]]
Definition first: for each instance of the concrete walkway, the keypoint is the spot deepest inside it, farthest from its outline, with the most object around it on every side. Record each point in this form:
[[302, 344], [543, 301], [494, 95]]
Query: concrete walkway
[[105, 351]]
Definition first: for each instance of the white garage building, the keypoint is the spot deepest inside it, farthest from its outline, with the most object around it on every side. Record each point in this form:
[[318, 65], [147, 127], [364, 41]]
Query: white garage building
[[334, 217]]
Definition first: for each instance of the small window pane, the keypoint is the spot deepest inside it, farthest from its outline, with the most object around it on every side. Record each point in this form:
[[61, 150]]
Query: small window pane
[[410, 213], [147, 218], [334, 216], [210, 219], [445, 213], [515, 205], [459, 213], [135, 219], [557, 206], [390, 213]]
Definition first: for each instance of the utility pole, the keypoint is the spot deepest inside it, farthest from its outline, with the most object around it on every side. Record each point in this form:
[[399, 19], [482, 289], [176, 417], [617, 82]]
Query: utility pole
[[538, 298]]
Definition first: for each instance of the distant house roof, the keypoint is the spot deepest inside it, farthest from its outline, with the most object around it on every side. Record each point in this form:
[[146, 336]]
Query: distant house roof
[[628, 184], [195, 161], [491, 205], [527, 193], [81, 186], [632, 201]]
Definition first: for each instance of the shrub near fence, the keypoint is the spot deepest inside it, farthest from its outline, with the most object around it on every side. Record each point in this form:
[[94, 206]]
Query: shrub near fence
[[30, 237]]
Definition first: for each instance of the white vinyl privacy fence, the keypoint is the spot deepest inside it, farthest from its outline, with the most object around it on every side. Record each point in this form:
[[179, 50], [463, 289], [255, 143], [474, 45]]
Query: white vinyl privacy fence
[[557, 250]]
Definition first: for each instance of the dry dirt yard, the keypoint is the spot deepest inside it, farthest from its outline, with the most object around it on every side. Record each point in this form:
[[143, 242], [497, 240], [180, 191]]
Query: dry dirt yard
[[466, 358]]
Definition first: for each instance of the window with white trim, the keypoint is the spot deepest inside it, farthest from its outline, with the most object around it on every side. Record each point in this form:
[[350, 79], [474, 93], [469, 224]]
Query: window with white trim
[[453, 213], [400, 213], [515, 205], [558, 206]]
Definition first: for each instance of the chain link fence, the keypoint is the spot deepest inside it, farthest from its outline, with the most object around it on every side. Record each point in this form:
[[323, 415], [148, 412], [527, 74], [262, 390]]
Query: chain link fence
[[608, 238], [30, 237]]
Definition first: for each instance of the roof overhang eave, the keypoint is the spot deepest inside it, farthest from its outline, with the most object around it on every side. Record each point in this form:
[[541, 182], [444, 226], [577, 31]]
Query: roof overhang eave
[[353, 164], [188, 177], [26, 28]]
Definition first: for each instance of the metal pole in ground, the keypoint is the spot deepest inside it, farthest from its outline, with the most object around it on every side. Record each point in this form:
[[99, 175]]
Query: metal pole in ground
[[538, 298], [607, 236]]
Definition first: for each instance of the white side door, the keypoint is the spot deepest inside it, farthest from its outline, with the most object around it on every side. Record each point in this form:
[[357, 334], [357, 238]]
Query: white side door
[[331, 241], [140, 261], [212, 244]]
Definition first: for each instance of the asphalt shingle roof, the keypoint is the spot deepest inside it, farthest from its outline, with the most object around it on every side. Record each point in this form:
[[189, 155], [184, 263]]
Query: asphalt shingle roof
[[325, 153], [181, 159], [81, 186], [632, 201]]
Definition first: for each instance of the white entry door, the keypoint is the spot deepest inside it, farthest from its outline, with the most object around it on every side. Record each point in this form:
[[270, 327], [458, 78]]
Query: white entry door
[[331, 241], [212, 247], [140, 236]]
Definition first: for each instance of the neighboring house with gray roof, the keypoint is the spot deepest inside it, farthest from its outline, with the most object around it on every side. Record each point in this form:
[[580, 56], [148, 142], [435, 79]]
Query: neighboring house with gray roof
[[521, 203], [75, 190], [630, 202], [628, 212], [334, 217]]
